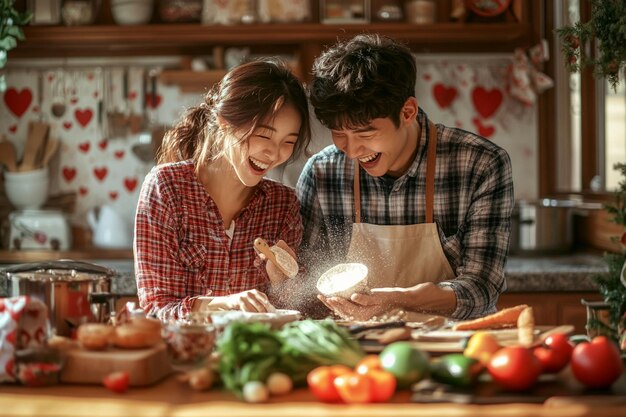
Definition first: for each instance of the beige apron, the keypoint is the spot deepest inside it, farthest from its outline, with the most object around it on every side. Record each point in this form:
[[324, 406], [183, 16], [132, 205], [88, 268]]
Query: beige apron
[[401, 255]]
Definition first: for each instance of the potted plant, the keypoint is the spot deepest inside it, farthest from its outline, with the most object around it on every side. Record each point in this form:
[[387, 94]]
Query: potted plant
[[607, 26], [11, 22], [613, 285]]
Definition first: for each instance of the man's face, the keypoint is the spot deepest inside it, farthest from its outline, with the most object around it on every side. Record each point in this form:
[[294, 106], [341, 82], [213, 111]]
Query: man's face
[[381, 147]]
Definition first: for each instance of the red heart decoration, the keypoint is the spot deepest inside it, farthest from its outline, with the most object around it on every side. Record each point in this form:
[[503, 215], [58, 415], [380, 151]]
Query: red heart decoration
[[50, 77], [113, 195], [130, 184], [84, 147], [444, 96], [18, 101], [486, 101], [90, 76], [83, 116], [100, 173], [9, 368], [426, 77], [119, 154], [484, 131], [11, 337], [83, 191], [69, 173], [13, 128], [150, 103], [132, 95], [67, 125], [103, 144], [35, 109], [74, 100]]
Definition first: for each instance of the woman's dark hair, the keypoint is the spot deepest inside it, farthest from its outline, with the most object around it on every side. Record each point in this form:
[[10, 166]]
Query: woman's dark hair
[[365, 78], [247, 95]]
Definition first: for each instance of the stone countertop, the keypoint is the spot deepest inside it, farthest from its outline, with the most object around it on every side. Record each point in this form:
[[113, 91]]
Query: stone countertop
[[559, 273]]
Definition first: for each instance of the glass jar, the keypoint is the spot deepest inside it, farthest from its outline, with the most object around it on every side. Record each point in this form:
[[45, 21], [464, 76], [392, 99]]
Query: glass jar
[[189, 343], [387, 11], [79, 12]]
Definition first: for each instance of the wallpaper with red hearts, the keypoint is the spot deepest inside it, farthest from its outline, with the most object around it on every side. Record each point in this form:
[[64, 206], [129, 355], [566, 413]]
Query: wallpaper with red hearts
[[93, 160], [470, 92]]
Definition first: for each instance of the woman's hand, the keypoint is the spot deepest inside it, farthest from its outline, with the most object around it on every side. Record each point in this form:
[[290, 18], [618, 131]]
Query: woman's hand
[[275, 275], [251, 300]]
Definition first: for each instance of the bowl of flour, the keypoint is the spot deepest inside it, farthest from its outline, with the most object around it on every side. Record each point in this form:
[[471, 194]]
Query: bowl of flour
[[343, 280]]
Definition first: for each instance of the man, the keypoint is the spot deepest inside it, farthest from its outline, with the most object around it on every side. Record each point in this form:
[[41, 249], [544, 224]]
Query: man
[[426, 207]]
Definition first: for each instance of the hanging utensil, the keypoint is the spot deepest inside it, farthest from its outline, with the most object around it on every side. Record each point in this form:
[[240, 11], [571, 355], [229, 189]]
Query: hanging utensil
[[58, 107]]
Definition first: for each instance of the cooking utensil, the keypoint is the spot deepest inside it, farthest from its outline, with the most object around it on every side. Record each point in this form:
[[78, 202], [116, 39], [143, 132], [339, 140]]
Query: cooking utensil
[[67, 288], [51, 148], [35, 143], [7, 155], [282, 260], [58, 106], [543, 226]]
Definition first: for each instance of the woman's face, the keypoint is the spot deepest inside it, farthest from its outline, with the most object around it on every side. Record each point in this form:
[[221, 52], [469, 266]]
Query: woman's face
[[269, 145]]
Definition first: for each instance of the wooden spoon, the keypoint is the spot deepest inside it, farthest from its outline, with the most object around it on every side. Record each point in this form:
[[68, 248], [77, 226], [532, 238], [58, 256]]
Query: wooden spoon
[[51, 149], [286, 264], [35, 142], [7, 155]]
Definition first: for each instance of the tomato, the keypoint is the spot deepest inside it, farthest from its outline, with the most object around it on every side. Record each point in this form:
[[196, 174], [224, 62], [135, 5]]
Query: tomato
[[321, 382], [383, 385], [555, 353], [597, 364], [368, 363], [515, 368], [117, 381], [481, 346], [354, 387], [406, 362]]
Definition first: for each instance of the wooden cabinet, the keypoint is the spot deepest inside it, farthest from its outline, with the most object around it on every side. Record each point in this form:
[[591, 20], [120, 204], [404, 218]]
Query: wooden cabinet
[[553, 308]]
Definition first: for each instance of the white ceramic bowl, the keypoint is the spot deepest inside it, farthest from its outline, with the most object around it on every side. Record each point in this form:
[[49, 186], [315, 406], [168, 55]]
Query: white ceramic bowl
[[343, 280], [131, 12], [27, 189]]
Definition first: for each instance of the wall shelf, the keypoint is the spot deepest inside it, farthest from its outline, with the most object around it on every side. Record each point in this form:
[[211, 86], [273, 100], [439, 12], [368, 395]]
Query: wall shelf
[[21, 256], [161, 39]]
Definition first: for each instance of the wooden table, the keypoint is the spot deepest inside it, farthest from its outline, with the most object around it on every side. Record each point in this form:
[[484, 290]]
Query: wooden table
[[172, 398]]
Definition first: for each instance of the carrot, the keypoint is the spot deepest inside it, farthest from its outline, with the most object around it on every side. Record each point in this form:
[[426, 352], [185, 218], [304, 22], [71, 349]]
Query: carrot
[[504, 318]]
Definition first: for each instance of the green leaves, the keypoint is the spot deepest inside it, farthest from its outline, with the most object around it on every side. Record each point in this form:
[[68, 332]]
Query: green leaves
[[252, 351], [10, 32]]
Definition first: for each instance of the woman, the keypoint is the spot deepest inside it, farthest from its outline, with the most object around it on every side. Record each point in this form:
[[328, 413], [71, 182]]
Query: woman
[[203, 205]]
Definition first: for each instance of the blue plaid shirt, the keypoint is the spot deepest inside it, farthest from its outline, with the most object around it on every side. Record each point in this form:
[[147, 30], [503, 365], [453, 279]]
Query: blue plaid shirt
[[472, 210]]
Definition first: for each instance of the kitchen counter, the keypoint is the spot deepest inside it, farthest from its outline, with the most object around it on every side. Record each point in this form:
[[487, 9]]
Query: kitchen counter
[[172, 398], [562, 273]]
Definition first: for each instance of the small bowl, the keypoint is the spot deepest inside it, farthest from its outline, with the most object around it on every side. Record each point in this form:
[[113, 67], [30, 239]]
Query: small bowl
[[27, 189], [189, 344], [131, 12], [343, 280]]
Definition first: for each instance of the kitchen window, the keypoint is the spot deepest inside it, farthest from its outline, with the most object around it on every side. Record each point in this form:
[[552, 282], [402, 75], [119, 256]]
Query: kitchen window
[[590, 121]]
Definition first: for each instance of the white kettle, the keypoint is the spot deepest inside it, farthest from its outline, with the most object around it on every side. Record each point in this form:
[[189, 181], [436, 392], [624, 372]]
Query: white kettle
[[109, 228]]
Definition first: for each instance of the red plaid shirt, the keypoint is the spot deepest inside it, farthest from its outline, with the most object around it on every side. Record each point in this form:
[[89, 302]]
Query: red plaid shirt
[[182, 250]]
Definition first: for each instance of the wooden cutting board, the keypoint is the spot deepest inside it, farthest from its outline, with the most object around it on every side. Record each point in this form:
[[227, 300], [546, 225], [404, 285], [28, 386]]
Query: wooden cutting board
[[144, 366]]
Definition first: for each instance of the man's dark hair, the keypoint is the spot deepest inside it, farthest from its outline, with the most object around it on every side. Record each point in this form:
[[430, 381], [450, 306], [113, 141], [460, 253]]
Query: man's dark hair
[[365, 78]]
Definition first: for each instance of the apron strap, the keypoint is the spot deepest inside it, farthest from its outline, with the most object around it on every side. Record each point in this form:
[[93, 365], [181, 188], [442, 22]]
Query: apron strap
[[357, 193], [431, 161], [431, 164]]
